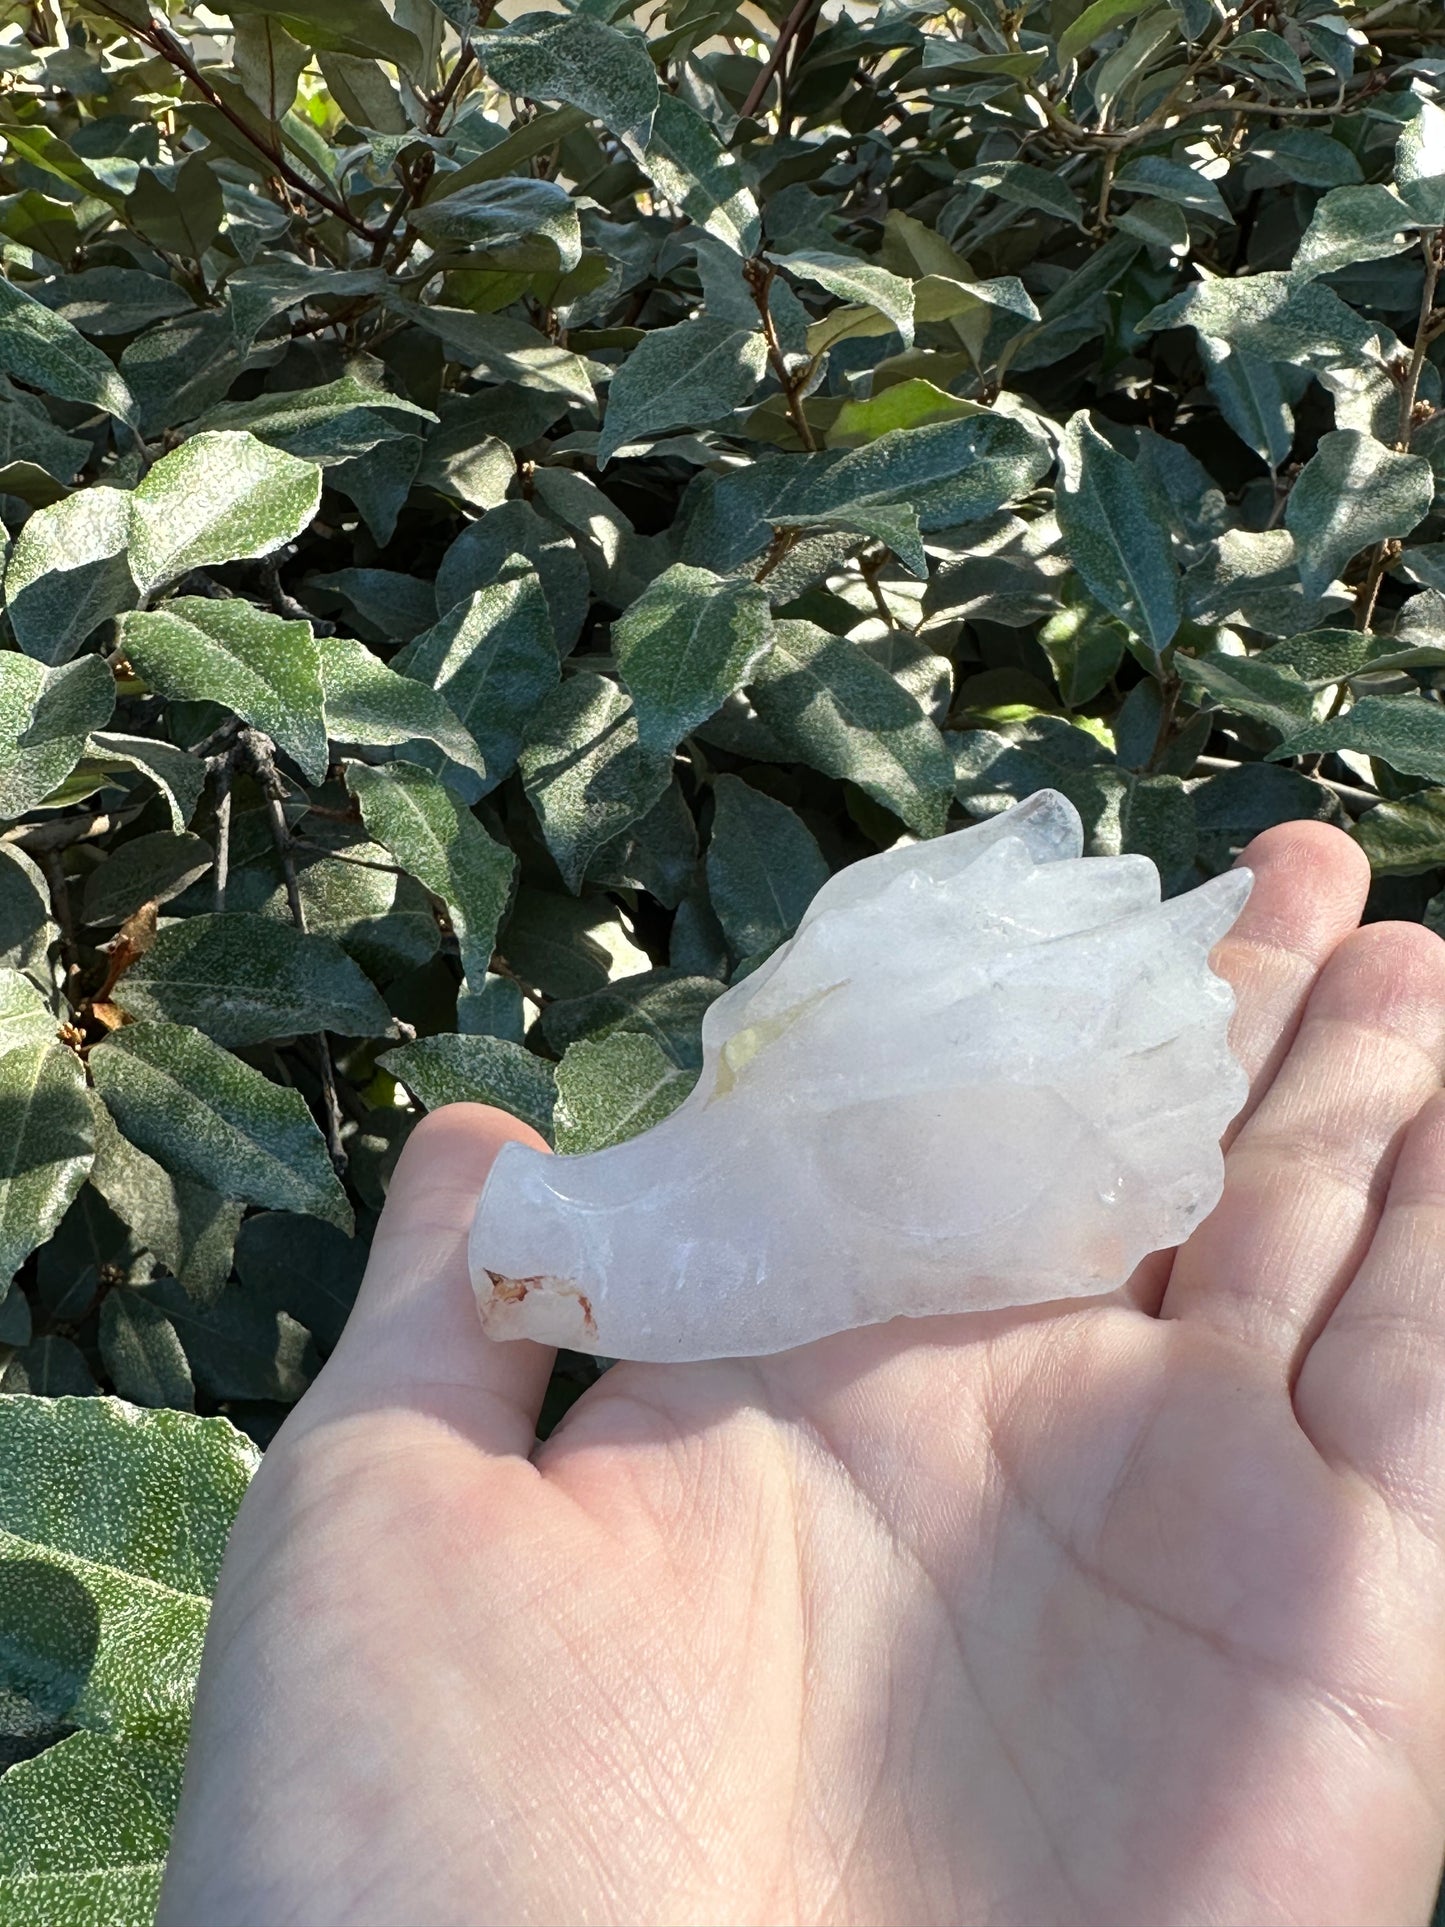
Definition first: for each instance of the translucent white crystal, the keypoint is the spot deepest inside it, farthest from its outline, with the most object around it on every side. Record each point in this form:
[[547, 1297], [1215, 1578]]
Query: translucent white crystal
[[986, 1071]]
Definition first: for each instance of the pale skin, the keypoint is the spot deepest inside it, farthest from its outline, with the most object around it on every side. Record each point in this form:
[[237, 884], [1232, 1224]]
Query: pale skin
[[1132, 1612]]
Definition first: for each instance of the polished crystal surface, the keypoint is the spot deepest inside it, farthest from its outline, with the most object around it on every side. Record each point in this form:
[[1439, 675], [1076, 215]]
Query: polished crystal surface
[[986, 1071]]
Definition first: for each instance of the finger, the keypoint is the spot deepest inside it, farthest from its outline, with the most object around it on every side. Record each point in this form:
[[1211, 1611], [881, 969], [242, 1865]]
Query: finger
[[1371, 1391], [414, 1335], [1305, 1180], [1309, 889], [1310, 883]]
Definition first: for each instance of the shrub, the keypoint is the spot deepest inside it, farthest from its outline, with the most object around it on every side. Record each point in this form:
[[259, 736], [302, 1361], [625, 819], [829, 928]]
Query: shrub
[[498, 510]]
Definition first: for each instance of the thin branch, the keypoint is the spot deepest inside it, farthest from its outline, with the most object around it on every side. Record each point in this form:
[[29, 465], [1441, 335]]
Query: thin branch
[[786, 33], [262, 754], [159, 37], [53, 865], [1409, 389], [1347, 792], [59, 832], [223, 832], [760, 280]]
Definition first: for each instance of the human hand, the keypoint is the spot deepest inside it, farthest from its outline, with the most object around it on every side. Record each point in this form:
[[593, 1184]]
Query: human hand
[[1127, 1612]]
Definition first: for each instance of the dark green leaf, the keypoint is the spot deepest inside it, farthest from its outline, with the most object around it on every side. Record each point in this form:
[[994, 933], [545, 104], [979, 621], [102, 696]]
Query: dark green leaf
[[763, 867], [45, 717], [444, 847], [1353, 491], [834, 708], [611, 1088], [587, 773], [1117, 540], [688, 642], [476, 1070], [207, 1116], [264, 668], [1407, 732], [242, 979]]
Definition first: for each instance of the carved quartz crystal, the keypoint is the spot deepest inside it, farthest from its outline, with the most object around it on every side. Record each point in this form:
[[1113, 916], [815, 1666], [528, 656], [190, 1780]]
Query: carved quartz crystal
[[986, 1071]]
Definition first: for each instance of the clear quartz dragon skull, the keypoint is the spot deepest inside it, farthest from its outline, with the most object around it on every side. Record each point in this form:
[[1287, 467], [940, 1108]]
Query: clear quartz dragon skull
[[986, 1071]]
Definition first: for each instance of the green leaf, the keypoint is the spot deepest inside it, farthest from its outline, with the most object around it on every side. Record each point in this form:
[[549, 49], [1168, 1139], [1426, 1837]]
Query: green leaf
[[1305, 155], [206, 1116], [611, 1088], [659, 1004], [907, 404], [685, 645], [566, 946], [67, 572], [851, 279], [1353, 224], [1353, 491], [689, 166], [1263, 691], [586, 771], [1165, 180], [1407, 732], [1084, 647], [46, 352], [1159, 224], [219, 497], [369, 704], [444, 847], [1092, 24], [493, 658], [237, 1347], [1420, 163], [1273, 316], [1026, 186], [494, 214], [242, 979], [185, 1224], [26, 930], [1115, 535], [302, 1267], [476, 1070], [25, 1017], [833, 707], [1267, 55], [681, 377], [46, 1144], [763, 867], [144, 1357], [346, 417], [1402, 839], [112, 1525], [45, 717], [579, 59], [1252, 398], [358, 27], [264, 668], [179, 776]]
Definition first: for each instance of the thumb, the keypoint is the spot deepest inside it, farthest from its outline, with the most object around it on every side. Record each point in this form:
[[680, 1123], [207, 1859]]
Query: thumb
[[414, 1333]]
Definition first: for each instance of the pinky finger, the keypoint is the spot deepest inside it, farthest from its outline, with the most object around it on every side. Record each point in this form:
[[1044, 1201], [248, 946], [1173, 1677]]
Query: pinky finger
[[1371, 1392]]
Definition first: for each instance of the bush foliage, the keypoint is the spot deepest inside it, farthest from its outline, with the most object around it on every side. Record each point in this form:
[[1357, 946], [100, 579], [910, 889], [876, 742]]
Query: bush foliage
[[498, 506]]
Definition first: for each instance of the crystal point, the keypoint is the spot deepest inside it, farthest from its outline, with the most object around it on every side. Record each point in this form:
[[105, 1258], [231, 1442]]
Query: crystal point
[[986, 1071]]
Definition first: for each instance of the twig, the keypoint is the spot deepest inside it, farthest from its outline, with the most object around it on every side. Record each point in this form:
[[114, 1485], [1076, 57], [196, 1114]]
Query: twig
[[1347, 792], [786, 33], [1409, 389], [158, 36], [61, 831], [53, 865], [760, 280], [262, 754], [223, 832]]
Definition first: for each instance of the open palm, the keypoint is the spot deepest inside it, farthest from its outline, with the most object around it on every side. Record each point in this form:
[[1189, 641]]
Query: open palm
[[1128, 1613]]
